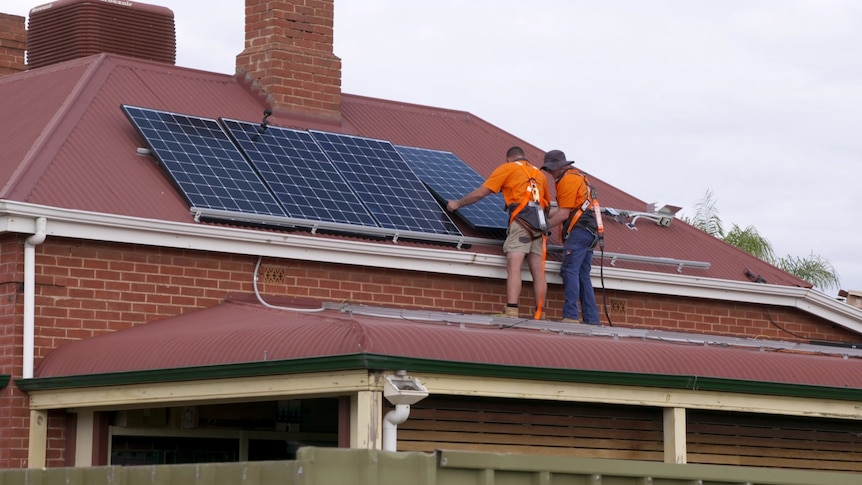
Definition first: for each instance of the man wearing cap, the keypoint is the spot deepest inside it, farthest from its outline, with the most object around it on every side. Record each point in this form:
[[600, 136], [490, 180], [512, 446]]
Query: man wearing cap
[[579, 233], [525, 191]]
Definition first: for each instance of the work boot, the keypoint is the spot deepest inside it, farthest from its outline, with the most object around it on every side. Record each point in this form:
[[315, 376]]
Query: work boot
[[508, 312], [570, 320]]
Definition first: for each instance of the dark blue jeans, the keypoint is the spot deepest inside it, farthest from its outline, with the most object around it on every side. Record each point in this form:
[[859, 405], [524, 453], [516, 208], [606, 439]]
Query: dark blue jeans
[[575, 270]]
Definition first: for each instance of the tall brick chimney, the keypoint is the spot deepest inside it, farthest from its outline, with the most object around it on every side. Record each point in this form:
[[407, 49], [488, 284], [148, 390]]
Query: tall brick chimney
[[13, 43], [288, 57]]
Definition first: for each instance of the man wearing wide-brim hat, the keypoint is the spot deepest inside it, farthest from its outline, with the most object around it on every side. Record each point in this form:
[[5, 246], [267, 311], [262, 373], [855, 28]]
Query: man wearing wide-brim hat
[[579, 233]]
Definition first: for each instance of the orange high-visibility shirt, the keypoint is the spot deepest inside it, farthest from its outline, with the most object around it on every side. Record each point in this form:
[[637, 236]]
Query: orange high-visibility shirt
[[512, 179]]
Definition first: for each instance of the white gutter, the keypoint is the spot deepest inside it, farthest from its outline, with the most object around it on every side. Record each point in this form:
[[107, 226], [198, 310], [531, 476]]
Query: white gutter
[[30, 244], [20, 218]]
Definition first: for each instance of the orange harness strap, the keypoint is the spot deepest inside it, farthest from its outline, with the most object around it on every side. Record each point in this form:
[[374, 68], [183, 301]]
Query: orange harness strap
[[586, 205], [532, 194]]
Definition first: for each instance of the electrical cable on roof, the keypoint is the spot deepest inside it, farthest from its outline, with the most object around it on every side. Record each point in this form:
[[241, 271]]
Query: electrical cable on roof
[[260, 299], [600, 234]]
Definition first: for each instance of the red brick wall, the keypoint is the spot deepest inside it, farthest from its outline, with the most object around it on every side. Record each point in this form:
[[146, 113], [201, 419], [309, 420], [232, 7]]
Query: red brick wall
[[288, 56], [84, 289], [637, 310], [13, 403], [13, 42]]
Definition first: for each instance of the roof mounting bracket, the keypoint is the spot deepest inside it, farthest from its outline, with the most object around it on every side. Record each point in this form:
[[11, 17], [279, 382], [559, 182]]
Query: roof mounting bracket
[[663, 217]]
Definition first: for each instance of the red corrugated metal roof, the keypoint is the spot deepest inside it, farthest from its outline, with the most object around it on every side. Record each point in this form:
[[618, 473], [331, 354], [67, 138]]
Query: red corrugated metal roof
[[67, 144], [244, 331]]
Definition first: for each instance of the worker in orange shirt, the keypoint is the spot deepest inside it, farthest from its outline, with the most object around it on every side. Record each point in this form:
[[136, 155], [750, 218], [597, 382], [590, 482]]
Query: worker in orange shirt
[[525, 191], [579, 234]]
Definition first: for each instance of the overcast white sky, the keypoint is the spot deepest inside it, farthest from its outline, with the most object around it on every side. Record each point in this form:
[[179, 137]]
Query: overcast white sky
[[759, 101]]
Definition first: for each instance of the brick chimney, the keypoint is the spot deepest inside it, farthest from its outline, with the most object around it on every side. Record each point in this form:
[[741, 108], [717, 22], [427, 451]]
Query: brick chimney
[[13, 43], [288, 57]]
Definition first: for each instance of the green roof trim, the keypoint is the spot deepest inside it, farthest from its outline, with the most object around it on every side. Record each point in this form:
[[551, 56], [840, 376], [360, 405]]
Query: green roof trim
[[4, 380], [376, 362]]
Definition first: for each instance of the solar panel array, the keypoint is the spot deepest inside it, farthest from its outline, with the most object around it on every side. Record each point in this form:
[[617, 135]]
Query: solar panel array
[[203, 162], [300, 175], [384, 182], [449, 178], [295, 177]]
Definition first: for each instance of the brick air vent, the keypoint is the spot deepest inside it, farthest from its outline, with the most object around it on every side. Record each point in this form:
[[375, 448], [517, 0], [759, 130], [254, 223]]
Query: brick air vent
[[69, 29]]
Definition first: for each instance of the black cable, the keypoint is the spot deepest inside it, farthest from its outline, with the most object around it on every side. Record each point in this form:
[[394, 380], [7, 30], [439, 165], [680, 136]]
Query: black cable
[[769, 317], [602, 279]]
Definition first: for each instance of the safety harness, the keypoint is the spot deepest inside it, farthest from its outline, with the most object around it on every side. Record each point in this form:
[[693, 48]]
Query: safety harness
[[589, 201], [592, 201], [532, 196]]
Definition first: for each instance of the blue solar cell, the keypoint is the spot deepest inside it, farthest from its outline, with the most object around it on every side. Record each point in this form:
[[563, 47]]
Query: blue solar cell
[[449, 178], [300, 175], [384, 182], [203, 162]]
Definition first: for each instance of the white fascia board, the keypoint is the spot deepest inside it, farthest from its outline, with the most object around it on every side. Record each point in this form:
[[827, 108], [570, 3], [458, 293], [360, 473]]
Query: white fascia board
[[20, 217]]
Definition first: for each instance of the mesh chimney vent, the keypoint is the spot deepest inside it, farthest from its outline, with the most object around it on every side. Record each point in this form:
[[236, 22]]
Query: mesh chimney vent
[[69, 29]]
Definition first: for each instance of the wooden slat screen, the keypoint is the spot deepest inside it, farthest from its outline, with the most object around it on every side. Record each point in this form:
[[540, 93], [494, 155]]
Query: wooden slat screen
[[774, 441], [533, 427]]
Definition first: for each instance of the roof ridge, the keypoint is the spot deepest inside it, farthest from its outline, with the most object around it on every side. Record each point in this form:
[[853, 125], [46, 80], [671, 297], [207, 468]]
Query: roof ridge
[[29, 171]]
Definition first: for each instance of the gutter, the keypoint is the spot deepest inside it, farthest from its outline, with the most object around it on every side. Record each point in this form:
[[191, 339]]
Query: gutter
[[379, 362], [20, 217]]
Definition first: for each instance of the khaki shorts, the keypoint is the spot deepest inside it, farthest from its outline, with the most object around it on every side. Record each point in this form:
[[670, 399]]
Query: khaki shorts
[[519, 240]]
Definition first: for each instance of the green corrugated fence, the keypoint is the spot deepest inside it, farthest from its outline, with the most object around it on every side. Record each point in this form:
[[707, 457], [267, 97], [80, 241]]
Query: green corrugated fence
[[331, 466]]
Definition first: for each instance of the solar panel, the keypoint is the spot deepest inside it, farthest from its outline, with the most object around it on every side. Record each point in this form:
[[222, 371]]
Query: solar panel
[[449, 178], [384, 182], [203, 162], [300, 175]]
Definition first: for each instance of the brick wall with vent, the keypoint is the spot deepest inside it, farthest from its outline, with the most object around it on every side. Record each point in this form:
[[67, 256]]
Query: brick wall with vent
[[13, 43], [86, 289]]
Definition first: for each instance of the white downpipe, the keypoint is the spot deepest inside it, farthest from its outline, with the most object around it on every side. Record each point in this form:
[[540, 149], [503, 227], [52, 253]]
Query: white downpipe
[[30, 244], [390, 425]]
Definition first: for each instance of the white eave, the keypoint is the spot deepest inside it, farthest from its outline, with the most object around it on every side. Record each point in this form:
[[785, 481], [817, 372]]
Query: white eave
[[17, 217]]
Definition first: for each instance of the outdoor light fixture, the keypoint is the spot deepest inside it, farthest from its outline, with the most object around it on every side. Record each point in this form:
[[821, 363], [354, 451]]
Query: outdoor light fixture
[[403, 389]]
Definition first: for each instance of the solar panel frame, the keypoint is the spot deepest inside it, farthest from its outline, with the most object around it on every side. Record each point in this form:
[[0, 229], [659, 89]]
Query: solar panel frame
[[202, 162], [302, 177], [450, 178], [390, 190]]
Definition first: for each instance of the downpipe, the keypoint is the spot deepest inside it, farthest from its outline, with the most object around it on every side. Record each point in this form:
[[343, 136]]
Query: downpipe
[[30, 244], [390, 425]]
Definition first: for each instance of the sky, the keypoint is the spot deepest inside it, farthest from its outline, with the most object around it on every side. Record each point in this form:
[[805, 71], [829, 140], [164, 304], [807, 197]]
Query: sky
[[757, 101]]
